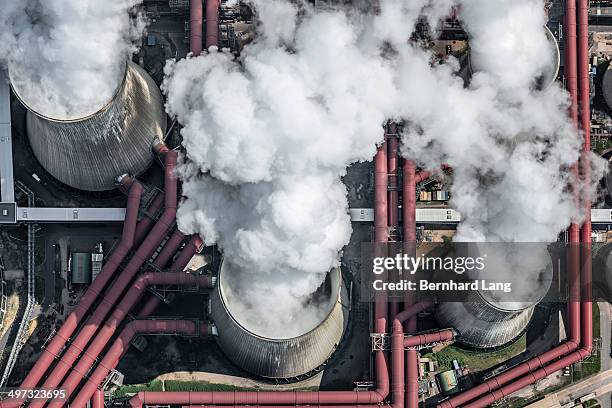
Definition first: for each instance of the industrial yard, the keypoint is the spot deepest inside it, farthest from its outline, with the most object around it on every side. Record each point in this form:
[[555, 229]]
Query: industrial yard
[[193, 193]]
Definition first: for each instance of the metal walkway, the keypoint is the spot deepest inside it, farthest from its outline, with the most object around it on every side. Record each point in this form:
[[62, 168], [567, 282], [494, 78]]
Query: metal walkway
[[24, 324]]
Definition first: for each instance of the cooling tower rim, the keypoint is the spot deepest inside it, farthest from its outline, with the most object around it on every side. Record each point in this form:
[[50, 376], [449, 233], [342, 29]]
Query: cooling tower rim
[[337, 292], [128, 64]]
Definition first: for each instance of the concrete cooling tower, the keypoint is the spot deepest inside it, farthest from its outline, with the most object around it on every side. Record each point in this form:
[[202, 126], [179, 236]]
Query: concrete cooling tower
[[87, 153], [486, 322], [606, 86], [548, 76], [482, 324], [254, 349]]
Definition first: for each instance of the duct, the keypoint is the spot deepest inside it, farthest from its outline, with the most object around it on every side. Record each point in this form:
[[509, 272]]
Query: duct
[[392, 195], [274, 357], [88, 153], [111, 297], [179, 264], [392, 168], [74, 318], [169, 249], [88, 359], [212, 23], [97, 400], [196, 11], [177, 327], [145, 224]]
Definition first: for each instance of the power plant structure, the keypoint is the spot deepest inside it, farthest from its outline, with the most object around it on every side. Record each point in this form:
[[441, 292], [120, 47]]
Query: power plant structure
[[88, 153], [548, 77], [152, 252], [264, 354]]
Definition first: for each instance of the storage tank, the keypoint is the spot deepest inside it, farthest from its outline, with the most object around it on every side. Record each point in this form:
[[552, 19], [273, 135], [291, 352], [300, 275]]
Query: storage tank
[[87, 153], [253, 349]]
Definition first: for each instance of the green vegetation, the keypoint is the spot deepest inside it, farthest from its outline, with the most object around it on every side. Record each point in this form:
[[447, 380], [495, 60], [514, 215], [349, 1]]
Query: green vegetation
[[521, 402], [477, 360], [155, 385], [601, 145], [590, 404], [175, 385]]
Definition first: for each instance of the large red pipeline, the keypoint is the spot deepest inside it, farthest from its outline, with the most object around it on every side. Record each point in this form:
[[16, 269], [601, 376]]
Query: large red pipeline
[[135, 293], [98, 399], [393, 193], [145, 224], [178, 327], [212, 23], [579, 314], [179, 264], [75, 317], [585, 163], [196, 12], [111, 297], [381, 182]]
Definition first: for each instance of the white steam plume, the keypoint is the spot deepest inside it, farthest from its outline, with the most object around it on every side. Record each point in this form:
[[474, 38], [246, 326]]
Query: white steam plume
[[67, 57], [269, 136]]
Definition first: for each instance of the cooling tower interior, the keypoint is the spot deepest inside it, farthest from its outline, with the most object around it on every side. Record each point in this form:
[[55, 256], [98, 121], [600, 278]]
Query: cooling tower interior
[[89, 153], [253, 349]]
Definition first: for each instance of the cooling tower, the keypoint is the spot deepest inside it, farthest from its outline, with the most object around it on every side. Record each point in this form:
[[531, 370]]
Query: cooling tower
[[250, 347], [486, 321], [87, 153], [548, 76], [606, 86], [482, 324]]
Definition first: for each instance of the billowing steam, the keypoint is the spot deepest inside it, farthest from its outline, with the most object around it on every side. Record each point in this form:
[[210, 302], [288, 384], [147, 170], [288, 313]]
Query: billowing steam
[[269, 136], [67, 58]]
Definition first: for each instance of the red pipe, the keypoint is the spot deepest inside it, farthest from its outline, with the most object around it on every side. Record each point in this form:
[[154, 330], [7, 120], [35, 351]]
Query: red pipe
[[169, 249], [410, 238], [585, 162], [179, 327], [380, 229], [111, 297], [145, 224], [74, 318], [579, 314], [212, 23], [98, 399], [196, 12], [195, 244], [392, 194], [179, 264], [392, 167], [88, 359]]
